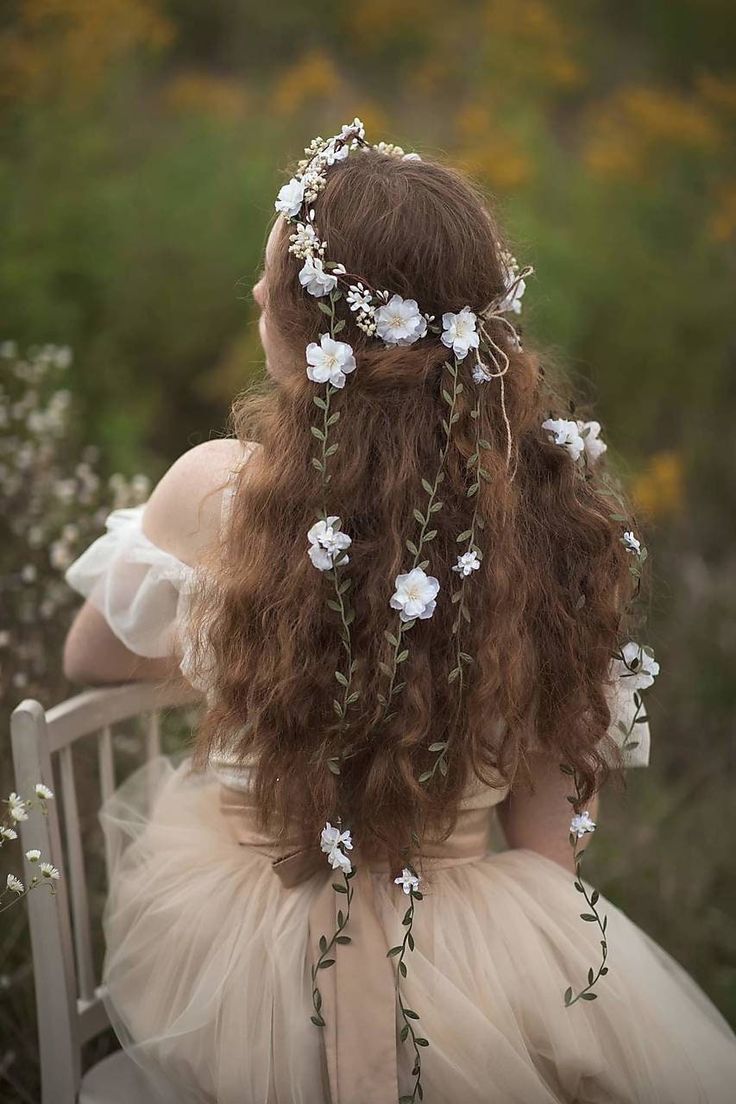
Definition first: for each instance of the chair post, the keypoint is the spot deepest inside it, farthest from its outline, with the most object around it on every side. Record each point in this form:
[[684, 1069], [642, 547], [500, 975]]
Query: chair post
[[48, 913]]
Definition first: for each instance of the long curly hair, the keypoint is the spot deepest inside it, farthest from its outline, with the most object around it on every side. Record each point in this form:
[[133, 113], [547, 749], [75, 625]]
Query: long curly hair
[[546, 606]]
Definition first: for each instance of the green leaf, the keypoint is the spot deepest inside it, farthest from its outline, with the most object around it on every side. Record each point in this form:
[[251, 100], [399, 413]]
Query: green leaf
[[338, 888], [352, 698], [403, 1035], [340, 918], [384, 669], [443, 767], [410, 941], [589, 917], [343, 939], [391, 639], [323, 943], [422, 1042], [333, 765], [419, 516], [568, 995], [402, 969], [591, 975], [320, 402], [425, 777], [341, 678], [440, 746], [333, 605], [472, 490], [393, 951], [435, 507], [589, 996], [338, 327], [333, 418], [447, 397], [453, 674], [337, 707], [318, 464], [325, 309], [319, 1022], [317, 432], [430, 535], [594, 896], [326, 963], [411, 1014], [402, 656], [427, 486], [412, 548], [465, 535]]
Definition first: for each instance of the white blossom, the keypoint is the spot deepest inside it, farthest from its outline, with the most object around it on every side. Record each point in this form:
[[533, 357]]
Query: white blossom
[[515, 287], [467, 563], [332, 842], [459, 332], [314, 278], [633, 544], [305, 241], [49, 871], [15, 884], [33, 855], [594, 447], [580, 824], [411, 157], [415, 595], [290, 198], [407, 880], [359, 298], [7, 833], [43, 791], [400, 322], [566, 434], [637, 669], [17, 808], [481, 373], [330, 361], [327, 542]]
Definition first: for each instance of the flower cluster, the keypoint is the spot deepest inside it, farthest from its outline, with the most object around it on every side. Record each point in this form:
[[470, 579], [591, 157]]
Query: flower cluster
[[334, 844], [17, 811], [578, 438]]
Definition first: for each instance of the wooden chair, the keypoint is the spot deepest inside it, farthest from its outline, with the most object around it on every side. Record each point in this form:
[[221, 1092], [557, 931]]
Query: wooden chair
[[68, 999]]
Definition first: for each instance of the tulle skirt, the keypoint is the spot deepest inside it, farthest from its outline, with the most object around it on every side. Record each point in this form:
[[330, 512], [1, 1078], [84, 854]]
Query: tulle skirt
[[208, 974]]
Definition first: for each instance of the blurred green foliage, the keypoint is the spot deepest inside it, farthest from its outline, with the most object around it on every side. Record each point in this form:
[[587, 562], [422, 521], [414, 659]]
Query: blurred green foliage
[[143, 142]]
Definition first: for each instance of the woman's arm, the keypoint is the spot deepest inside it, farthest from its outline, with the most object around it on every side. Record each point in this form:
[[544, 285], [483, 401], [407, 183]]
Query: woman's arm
[[181, 517], [538, 818]]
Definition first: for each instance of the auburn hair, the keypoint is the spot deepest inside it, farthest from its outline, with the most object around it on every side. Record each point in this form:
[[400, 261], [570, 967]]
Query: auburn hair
[[546, 606]]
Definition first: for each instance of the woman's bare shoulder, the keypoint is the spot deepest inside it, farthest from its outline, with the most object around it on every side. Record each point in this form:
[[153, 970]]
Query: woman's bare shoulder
[[183, 513]]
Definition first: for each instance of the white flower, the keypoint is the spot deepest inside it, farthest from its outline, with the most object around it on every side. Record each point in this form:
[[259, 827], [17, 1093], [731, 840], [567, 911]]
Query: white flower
[[459, 333], [353, 130], [43, 791], [359, 298], [327, 542], [305, 242], [333, 153], [49, 871], [467, 563], [15, 884], [481, 373], [415, 595], [411, 157], [594, 447], [400, 322], [581, 824], [314, 278], [7, 833], [633, 545], [407, 880], [33, 855], [637, 669], [17, 807], [515, 288], [566, 434], [332, 841], [290, 198], [330, 361]]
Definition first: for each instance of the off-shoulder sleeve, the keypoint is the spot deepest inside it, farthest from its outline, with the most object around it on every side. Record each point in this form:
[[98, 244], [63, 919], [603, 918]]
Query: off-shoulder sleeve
[[629, 728], [141, 590]]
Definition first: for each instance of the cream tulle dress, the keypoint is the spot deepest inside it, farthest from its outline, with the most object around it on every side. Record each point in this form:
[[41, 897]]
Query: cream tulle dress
[[212, 929]]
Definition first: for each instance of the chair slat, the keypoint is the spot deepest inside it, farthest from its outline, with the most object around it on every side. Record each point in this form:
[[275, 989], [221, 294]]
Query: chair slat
[[77, 879], [106, 767]]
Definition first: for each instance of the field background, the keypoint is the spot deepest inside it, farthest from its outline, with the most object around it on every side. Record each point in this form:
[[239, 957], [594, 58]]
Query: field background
[[141, 145]]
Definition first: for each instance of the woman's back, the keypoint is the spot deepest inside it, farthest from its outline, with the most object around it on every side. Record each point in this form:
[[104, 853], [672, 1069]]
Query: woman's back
[[407, 607]]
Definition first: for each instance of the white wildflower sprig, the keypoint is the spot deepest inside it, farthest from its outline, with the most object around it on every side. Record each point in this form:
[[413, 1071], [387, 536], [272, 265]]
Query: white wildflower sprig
[[17, 810], [409, 881], [334, 843], [427, 590]]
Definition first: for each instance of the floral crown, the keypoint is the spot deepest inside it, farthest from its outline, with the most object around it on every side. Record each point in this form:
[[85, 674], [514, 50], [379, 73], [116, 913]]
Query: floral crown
[[396, 321]]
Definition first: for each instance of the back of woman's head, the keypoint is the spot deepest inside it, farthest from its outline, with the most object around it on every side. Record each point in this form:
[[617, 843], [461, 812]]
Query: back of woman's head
[[525, 648]]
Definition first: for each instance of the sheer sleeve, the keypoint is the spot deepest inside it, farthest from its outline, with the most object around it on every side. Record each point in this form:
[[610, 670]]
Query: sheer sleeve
[[141, 590]]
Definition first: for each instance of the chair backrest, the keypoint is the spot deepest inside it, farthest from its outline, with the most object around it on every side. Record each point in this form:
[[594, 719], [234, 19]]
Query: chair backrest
[[68, 998]]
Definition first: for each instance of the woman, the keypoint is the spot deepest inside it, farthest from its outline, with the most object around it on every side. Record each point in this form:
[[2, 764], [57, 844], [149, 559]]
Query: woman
[[406, 589]]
